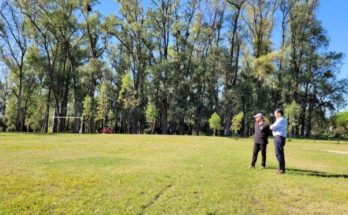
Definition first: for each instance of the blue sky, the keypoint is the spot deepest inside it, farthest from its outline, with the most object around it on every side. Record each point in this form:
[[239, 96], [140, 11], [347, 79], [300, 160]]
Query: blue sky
[[334, 16]]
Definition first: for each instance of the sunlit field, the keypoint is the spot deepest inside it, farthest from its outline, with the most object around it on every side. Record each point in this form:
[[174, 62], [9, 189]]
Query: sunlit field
[[123, 174]]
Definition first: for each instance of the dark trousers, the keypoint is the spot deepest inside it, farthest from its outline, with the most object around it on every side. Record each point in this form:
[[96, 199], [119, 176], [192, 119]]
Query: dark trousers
[[279, 143], [257, 148]]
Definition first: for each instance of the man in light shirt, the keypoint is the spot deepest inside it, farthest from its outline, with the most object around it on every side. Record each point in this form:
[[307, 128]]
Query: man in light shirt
[[279, 133]]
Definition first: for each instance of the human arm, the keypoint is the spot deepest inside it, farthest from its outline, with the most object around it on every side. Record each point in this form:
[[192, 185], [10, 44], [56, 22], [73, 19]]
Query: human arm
[[276, 125], [269, 131]]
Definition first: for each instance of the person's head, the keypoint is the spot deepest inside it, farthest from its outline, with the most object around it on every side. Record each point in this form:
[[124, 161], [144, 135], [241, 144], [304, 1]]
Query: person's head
[[258, 117], [278, 113]]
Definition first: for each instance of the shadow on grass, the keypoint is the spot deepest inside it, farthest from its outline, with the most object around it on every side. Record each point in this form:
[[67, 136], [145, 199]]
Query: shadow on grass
[[306, 172]]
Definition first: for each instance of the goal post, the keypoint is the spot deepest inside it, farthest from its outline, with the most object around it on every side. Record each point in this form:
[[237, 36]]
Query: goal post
[[70, 117]]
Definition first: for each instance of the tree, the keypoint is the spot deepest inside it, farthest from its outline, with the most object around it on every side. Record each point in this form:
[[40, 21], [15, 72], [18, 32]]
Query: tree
[[127, 94], [87, 112], [130, 32], [259, 22], [103, 105], [36, 115], [128, 98], [292, 113], [237, 122], [56, 31], [96, 44], [10, 114], [182, 60], [14, 45], [342, 120], [341, 124], [215, 122], [151, 115], [311, 69], [3, 98], [231, 72]]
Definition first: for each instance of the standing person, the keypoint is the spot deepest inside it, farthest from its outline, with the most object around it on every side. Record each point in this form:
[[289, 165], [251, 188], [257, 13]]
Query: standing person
[[262, 131], [279, 133]]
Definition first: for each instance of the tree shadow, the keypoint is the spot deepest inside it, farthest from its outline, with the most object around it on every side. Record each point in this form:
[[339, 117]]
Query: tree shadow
[[306, 172]]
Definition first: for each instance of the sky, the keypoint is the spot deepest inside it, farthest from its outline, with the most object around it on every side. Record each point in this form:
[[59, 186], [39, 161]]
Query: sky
[[334, 17]]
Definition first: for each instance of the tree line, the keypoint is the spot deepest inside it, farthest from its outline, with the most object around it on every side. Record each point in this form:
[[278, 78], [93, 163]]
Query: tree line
[[166, 66]]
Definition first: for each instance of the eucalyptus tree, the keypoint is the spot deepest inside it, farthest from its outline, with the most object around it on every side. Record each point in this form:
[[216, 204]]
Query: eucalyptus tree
[[54, 26], [259, 20], [4, 92], [208, 52], [14, 44], [233, 62], [160, 24], [130, 31], [313, 69], [94, 43], [181, 53], [165, 66]]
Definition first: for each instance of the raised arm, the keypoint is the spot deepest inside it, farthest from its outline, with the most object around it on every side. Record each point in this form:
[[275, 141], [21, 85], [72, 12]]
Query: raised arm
[[276, 125]]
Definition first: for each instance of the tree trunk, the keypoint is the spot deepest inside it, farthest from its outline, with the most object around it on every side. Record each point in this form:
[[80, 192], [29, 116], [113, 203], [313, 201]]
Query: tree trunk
[[181, 125], [55, 120], [19, 126], [47, 114], [197, 120], [134, 120], [227, 126], [164, 116]]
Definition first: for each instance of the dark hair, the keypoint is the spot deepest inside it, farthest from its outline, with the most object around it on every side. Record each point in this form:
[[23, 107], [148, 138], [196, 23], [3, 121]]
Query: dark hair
[[280, 111]]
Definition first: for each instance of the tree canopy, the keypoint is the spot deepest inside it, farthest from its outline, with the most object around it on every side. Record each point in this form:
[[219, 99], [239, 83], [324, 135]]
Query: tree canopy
[[165, 66]]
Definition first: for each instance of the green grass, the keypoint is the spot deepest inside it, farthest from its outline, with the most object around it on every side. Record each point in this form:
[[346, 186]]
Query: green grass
[[121, 174]]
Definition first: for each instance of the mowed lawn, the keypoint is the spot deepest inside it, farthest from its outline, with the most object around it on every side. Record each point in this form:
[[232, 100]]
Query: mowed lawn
[[124, 174]]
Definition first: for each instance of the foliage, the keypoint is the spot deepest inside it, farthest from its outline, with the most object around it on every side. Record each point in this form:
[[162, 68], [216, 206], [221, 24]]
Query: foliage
[[188, 59], [10, 114], [215, 122], [292, 113], [342, 123], [103, 103], [36, 115], [87, 107], [237, 122], [127, 94], [151, 115]]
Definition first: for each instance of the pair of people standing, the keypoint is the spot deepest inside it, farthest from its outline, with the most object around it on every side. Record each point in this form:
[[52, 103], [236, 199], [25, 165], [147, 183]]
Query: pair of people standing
[[262, 131]]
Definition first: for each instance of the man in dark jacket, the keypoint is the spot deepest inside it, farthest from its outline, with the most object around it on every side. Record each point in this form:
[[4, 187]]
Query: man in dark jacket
[[262, 131]]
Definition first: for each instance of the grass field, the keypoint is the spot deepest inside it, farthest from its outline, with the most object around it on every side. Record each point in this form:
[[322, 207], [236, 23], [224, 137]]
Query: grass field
[[121, 174]]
